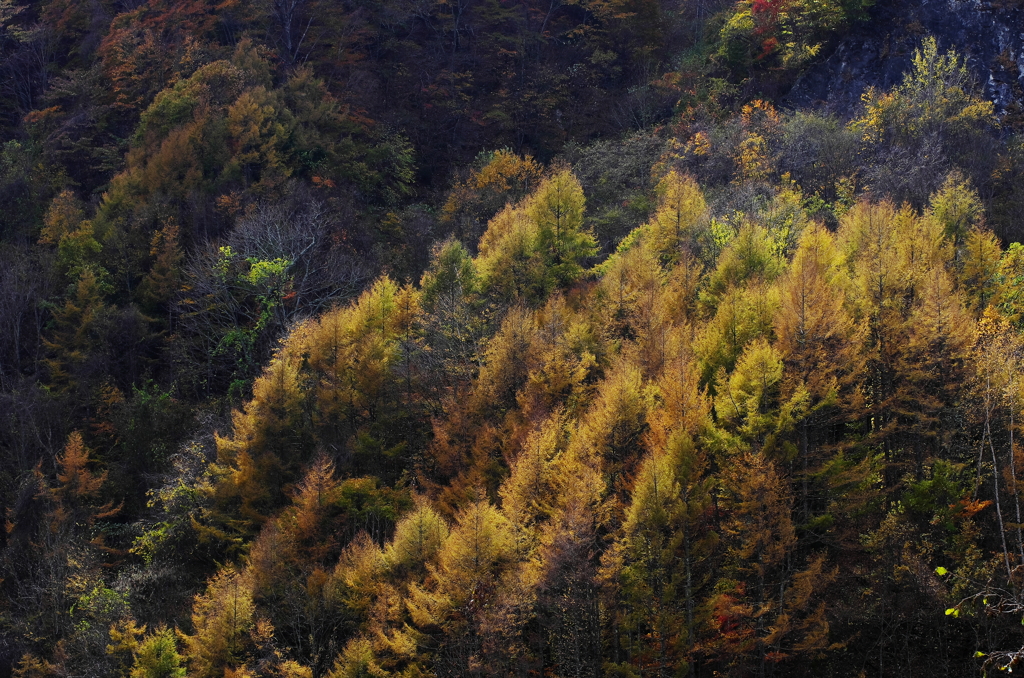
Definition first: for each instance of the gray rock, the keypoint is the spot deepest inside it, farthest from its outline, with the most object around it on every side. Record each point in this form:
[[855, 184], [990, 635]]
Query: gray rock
[[878, 52]]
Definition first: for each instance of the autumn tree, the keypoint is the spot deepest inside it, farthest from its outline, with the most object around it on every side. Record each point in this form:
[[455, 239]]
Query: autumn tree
[[657, 618], [567, 589], [563, 360], [743, 314], [294, 565], [161, 284], [614, 424], [935, 109], [634, 302], [223, 621], [74, 340], [65, 226], [419, 537], [329, 386], [471, 560], [818, 341], [766, 612], [681, 206], [510, 267], [53, 564], [556, 207], [527, 494], [454, 327], [157, 656], [979, 276], [497, 179], [1011, 278], [958, 208]]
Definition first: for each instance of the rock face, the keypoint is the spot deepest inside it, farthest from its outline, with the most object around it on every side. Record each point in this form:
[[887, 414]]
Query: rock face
[[877, 53]]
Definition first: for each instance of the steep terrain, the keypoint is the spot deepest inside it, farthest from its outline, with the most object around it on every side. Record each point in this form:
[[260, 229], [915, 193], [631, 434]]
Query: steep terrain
[[473, 338], [878, 52]]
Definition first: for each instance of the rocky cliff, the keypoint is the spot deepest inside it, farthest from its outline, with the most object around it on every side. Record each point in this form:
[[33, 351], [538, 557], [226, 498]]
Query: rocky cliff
[[877, 53]]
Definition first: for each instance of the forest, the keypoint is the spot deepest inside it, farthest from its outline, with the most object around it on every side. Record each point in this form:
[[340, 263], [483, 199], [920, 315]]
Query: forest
[[466, 338]]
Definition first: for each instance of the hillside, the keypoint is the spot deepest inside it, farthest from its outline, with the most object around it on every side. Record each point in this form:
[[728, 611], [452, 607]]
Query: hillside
[[618, 338], [878, 52]]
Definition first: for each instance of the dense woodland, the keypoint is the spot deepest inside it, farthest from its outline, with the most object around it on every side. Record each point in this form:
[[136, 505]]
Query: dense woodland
[[367, 338]]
